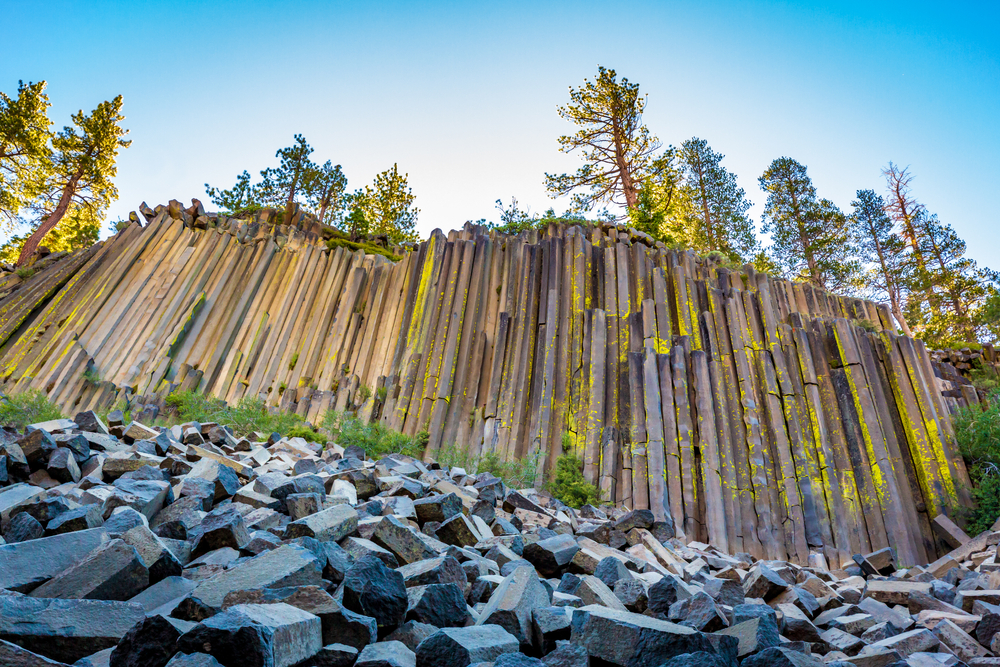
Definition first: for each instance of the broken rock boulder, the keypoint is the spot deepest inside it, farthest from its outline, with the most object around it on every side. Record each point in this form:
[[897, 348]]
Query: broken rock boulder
[[65, 630], [624, 639], [461, 647], [277, 635], [372, 589]]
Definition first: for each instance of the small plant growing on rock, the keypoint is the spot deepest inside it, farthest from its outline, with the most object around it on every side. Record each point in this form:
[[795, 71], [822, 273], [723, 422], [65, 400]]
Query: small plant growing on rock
[[91, 375]]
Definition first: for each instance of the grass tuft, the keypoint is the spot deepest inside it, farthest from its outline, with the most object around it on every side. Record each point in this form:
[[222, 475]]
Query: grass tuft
[[29, 407], [518, 474], [250, 414], [376, 439]]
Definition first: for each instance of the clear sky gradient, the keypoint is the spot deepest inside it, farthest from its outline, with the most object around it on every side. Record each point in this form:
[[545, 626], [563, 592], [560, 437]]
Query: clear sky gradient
[[463, 95]]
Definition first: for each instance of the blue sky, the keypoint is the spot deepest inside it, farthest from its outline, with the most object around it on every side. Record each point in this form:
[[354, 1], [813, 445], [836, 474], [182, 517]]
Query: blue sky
[[463, 95]]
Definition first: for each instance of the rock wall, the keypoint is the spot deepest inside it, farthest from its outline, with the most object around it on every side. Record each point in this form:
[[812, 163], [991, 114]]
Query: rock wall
[[757, 414]]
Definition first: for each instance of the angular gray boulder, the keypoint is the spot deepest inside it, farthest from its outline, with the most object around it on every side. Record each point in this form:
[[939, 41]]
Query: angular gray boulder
[[329, 525], [624, 639], [513, 602], [256, 635], [288, 565], [12, 655], [65, 630], [386, 654], [25, 565], [113, 571], [372, 589], [460, 647]]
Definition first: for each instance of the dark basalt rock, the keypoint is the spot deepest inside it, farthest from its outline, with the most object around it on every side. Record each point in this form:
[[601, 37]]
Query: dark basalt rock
[[372, 589], [254, 635], [440, 605], [65, 630], [151, 642], [460, 647]]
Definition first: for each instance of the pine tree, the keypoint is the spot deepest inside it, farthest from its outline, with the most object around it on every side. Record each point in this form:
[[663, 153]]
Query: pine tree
[[882, 252], [662, 200], [958, 289], [80, 169], [238, 198], [388, 207], [326, 192], [80, 228], [24, 150], [281, 185], [949, 300], [616, 146], [716, 218], [320, 189], [355, 223], [903, 208], [810, 237]]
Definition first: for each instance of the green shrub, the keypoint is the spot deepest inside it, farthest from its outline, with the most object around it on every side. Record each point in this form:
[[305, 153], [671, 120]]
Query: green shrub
[[978, 434], [568, 484], [25, 272], [248, 415], [251, 414], [518, 474], [196, 407], [293, 362], [382, 393], [985, 380], [91, 375], [249, 211], [29, 407], [376, 439], [723, 260], [456, 457], [986, 494], [304, 432], [364, 393]]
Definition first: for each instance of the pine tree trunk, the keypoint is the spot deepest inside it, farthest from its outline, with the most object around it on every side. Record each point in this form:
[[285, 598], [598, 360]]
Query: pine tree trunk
[[898, 314], [35, 240]]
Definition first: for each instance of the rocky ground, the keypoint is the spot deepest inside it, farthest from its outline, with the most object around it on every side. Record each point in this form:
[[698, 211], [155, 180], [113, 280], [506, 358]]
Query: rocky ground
[[131, 546]]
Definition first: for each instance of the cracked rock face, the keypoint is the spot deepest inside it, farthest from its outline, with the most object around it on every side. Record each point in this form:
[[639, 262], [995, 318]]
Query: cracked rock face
[[255, 552]]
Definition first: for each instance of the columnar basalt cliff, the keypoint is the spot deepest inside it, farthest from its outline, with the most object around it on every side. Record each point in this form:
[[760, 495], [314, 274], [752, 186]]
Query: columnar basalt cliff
[[759, 415]]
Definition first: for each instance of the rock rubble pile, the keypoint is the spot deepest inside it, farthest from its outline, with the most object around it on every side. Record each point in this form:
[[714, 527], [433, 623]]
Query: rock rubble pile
[[130, 546]]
